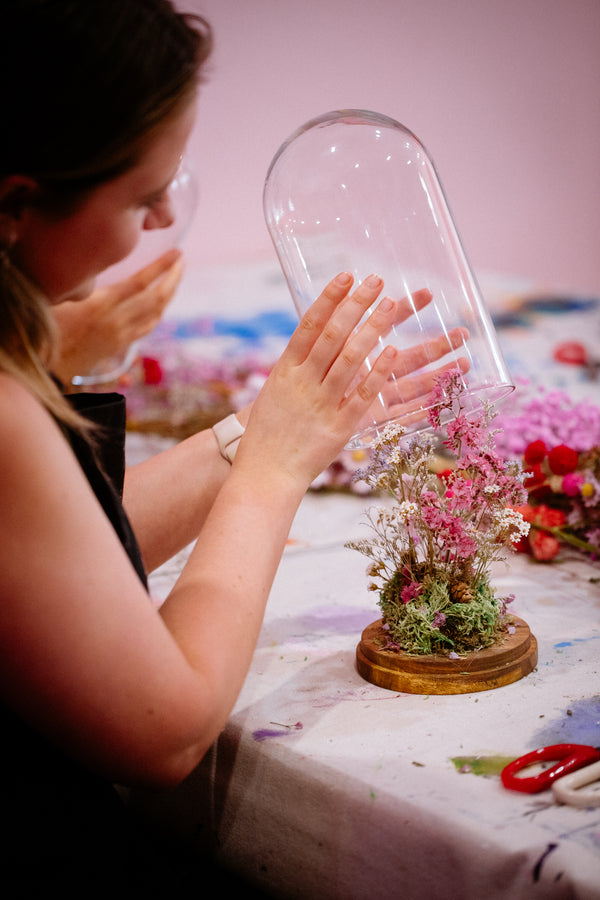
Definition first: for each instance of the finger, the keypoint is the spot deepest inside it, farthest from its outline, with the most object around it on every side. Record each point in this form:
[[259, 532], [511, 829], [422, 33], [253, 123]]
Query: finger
[[150, 302], [422, 354], [156, 268], [356, 403], [314, 319], [143, 278], [408, 306], [407, 400], [340, 337], [350, 361], [166, 286], [400, 391]]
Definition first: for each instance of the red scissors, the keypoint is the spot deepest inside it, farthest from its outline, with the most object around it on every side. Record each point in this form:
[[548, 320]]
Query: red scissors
[[564, 777]]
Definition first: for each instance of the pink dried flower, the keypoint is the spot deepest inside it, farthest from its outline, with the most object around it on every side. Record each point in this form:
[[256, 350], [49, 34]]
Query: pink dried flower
[[549, 416], [571, 484], [410, 591]]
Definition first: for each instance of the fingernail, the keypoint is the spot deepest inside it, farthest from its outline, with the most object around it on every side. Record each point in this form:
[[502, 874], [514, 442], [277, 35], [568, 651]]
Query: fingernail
[[343, 278], [373, 281], [390, 352], [386, 304]]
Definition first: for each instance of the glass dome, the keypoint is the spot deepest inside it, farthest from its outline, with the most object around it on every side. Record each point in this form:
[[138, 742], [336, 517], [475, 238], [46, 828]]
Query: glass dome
[[356, 191], [151, 245]]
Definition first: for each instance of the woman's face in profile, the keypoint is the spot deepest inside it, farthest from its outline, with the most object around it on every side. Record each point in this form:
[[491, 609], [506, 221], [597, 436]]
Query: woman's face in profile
[[63, 256]]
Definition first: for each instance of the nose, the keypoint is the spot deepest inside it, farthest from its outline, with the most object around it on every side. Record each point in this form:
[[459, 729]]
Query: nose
[[161, 215]]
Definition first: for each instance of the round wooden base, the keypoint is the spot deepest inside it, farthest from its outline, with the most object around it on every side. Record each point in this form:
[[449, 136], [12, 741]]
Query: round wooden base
[[481, 670]]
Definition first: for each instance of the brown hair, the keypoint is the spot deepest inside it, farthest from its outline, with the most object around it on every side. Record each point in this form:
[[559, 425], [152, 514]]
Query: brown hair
[[84, 85]]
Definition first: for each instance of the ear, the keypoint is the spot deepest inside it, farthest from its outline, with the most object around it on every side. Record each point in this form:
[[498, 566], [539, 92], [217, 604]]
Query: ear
[[17, 192]]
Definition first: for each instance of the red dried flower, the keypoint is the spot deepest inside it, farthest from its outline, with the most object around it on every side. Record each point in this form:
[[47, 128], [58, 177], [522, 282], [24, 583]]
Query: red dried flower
[[523, 546], [544, 546], [152, 370], [542, 515], [548, 517], [535, 452], [539, 493], [562, 459], [535, 475], [527, 511]]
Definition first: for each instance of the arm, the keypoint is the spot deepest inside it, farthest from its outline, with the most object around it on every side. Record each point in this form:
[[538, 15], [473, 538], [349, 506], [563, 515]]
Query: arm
[[84, 656], [167, 511]]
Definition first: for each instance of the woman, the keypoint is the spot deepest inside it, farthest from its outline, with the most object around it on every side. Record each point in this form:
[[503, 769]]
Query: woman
[[96, 686]]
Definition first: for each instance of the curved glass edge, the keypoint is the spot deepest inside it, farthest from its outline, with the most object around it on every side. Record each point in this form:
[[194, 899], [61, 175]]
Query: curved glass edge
[[111, 370], [474, 399]]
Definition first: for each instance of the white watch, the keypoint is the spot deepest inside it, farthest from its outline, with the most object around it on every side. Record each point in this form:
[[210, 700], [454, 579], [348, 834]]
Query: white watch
[[228, 433]]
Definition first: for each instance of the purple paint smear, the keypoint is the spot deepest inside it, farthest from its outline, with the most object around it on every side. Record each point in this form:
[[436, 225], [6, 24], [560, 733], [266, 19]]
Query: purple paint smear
[[263, 734]]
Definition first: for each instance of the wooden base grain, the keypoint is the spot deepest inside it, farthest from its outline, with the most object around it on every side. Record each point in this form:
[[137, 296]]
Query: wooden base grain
[[481, 670]]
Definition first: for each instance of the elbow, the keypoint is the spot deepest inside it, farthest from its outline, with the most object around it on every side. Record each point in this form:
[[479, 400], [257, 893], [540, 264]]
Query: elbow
[[178, 769], [164, 773]]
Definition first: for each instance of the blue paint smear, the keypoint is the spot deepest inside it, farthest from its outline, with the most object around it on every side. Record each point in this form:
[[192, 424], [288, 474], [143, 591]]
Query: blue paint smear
[[250, 329], [578, 723], [594, 637]]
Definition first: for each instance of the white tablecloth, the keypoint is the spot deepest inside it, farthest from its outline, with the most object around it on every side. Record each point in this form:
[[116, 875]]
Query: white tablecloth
[[325, 786]]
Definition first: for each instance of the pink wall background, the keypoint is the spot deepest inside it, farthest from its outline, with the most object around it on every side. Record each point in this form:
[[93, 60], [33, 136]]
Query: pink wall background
[[505, 95]]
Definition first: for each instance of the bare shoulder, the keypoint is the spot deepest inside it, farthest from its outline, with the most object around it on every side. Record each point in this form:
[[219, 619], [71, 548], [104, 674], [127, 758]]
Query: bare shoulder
[[17, 404], [28, 430]]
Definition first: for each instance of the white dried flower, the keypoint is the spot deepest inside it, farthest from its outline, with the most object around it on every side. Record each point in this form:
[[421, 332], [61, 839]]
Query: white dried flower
[[391, 433], [406, 509], [491, 489], [513, 519]]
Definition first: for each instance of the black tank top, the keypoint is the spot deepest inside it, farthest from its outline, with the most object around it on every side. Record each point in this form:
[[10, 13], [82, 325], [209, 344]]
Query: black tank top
[[63, 823], [104, 463]]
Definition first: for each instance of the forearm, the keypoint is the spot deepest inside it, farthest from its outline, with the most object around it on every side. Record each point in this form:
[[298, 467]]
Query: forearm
[[169, 496], [215, 610]]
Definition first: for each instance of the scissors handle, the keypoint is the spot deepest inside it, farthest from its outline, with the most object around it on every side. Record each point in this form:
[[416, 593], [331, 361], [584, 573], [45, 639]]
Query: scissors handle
[[568, 758], [573, 788]]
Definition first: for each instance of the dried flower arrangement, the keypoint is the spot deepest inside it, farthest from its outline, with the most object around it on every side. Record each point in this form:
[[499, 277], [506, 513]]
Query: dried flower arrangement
[[432, 549]]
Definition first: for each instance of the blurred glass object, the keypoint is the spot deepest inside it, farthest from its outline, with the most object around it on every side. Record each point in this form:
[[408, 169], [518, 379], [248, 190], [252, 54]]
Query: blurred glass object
[[152, 244]]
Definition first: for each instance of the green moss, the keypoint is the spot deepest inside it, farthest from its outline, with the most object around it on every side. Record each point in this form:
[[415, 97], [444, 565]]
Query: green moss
[[433, 623]]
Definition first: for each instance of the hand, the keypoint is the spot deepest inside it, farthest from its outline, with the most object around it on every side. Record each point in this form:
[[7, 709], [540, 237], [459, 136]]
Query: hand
[[111, 318], [406, 391], [318, 391]]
